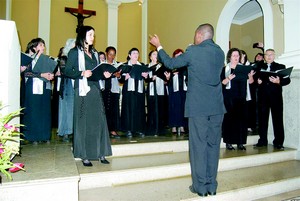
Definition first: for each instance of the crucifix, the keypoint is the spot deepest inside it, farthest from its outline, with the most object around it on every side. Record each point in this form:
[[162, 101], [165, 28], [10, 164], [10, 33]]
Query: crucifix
[[80, 14]]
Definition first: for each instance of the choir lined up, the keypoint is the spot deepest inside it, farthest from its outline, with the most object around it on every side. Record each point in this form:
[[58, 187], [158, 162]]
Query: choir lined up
[[164, 98]]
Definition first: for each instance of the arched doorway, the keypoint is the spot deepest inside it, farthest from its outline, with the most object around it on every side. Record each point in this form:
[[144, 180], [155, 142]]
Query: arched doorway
[[227, 15]]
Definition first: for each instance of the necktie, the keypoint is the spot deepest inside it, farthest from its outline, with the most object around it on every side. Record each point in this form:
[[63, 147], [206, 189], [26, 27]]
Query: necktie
[[269, 67]]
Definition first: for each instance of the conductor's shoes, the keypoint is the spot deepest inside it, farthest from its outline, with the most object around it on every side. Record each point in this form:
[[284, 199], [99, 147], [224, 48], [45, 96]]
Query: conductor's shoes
[[202, 194], [212, 193], [192, 189]]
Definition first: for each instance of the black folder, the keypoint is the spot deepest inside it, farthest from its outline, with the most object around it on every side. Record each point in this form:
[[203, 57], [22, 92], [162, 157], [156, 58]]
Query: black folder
[[137, 70], [44, 65], [98, 71], [283, 73], [241, 72], [124, 68], [25, 59], [160, 72]]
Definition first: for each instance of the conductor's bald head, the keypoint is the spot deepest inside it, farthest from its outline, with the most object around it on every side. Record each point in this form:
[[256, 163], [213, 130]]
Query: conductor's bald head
[[203, 32]]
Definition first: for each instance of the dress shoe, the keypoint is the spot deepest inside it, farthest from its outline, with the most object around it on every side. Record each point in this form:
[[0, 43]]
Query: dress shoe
[[241, 147], [229, 147], [182, 131], [192, 189], [140, 134], [87, 163], [65, 138], [211, 193], [129, 134], [279, 147], [202, 194], [103, 160], [260, 145]]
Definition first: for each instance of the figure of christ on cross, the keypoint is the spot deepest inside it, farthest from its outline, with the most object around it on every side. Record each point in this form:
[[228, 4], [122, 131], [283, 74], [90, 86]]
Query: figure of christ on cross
[[79, 14]]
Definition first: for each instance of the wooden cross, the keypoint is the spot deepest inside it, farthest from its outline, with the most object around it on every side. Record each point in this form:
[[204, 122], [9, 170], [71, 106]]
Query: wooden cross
[[80, 13]]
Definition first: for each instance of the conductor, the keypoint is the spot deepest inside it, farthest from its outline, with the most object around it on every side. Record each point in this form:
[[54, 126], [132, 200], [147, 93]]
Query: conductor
[[204, 105]]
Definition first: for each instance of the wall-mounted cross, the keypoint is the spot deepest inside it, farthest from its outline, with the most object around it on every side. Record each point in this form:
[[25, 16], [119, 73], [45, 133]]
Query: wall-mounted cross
[[80, 14]]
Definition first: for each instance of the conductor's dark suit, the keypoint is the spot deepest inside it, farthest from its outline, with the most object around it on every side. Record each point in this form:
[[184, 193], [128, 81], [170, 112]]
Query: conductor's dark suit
[[204, 107], [270, 98]]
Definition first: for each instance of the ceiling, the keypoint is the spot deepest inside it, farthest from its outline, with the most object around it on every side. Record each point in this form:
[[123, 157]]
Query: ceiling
[[248, 12]]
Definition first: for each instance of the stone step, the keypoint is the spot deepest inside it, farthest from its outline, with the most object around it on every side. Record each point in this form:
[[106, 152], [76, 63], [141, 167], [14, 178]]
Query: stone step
[[136, 147], [149, 167], [239, 184]]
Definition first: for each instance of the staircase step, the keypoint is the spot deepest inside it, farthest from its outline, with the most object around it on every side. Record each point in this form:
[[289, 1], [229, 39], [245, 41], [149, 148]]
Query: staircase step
[[240, 184], [137, 146], [149, 167]]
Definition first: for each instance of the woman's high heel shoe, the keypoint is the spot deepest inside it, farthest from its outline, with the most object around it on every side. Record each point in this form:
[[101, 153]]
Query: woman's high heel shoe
[[87, 163], [103, 160]]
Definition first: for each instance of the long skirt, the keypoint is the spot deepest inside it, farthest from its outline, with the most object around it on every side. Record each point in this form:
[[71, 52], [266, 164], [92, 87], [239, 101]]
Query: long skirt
[[91, 136], [37, 114], [66, 106]]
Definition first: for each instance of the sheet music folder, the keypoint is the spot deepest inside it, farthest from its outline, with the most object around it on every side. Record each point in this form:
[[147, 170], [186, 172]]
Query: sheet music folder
[[98, 71], [160, 71], [25, 59], [264, 75], [241, 72], [137, 70], [44, 65]]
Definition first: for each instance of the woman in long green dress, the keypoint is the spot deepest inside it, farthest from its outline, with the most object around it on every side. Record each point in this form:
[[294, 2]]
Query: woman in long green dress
[[91, 136]]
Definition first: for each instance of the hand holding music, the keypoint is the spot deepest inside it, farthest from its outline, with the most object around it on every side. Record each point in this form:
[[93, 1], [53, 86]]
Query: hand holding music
[[250, 76], [145, 74], [259, 81], [167, 74], [23, 68], [47, 76], [275, 80], [107, 74], [231, 76], [127, 76], [87, 73], [118, 73]]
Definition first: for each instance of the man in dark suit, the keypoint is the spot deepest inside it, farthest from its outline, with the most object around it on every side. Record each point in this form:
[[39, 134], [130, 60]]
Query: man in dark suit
[[270, 98], [204, 105]]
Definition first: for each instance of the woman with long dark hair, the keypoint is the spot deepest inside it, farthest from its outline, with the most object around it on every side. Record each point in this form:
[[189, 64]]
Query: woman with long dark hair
[[91, 136]]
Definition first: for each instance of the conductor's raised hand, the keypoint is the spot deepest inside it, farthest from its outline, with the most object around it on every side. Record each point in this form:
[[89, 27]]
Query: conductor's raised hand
[[154, 40]]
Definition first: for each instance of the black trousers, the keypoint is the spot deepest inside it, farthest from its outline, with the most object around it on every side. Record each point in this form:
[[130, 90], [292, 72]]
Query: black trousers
[[274, 103]]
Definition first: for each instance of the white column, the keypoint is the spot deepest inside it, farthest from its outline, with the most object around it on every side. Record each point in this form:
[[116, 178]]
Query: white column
[[112, 29], [44, 22], [291, 57], [145, 31], [8, 10]]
